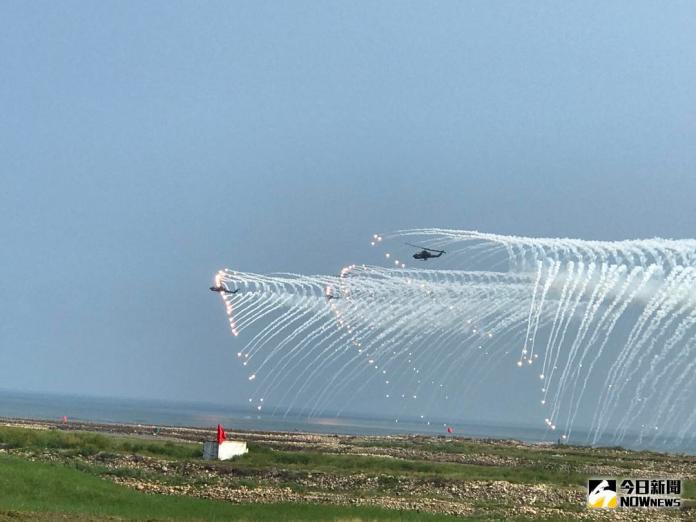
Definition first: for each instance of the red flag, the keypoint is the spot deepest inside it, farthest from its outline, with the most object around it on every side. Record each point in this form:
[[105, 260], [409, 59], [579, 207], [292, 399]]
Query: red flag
[[221, 437], [450, 429]]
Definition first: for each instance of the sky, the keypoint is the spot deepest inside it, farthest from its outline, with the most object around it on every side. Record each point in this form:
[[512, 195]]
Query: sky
[[145, 145]]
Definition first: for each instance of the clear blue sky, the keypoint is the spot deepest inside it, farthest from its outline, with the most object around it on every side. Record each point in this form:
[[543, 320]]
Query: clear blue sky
[[144, 145]]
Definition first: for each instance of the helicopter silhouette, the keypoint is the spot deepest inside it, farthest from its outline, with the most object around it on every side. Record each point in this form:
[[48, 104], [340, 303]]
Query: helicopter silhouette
[[426, 253], [222, 290]]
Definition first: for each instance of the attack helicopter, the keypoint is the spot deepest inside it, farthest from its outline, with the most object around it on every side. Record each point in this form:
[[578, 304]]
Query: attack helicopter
[[426, 253], [223, 290]]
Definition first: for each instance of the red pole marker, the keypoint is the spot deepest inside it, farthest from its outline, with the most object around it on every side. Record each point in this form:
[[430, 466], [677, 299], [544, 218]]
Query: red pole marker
[[221, 437]]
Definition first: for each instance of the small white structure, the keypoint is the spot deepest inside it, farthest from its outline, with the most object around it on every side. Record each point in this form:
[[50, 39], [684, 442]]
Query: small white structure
[[225, 450]]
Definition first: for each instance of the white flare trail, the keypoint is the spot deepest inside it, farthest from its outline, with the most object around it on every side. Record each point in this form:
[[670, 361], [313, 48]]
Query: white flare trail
[[608, 329]]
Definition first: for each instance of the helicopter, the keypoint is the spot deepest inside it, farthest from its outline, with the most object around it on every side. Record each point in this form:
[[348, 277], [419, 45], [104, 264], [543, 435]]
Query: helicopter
[[222, 290], [330, 294], [426, 253]]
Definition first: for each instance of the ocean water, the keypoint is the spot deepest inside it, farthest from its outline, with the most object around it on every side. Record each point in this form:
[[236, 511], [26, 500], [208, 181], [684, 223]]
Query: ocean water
[[33, 405]]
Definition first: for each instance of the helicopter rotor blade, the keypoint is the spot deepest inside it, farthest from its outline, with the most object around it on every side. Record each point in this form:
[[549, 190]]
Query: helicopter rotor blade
[[426, 248]]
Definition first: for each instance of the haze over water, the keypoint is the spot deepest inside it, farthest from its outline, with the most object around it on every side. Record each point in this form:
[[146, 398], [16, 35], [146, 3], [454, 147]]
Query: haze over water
[[53, 407]]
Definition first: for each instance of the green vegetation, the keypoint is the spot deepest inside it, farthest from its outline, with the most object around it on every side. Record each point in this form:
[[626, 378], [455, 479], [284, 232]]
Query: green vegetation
[[576, 455], [542, 463], [689, 489], [538, 466], [86, 443], [54, 488], [261, 457], [70, 480]]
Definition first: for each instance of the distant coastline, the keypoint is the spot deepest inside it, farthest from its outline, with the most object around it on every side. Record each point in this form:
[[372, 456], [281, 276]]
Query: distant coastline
[[47, 407]]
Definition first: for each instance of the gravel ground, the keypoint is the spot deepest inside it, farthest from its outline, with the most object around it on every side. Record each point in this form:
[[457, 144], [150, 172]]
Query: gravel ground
[[498, 499]]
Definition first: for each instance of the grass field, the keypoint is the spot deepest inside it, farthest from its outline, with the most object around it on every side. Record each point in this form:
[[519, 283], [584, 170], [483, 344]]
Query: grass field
[[539, 470], [35, 487], [88, 443], [46, 474]]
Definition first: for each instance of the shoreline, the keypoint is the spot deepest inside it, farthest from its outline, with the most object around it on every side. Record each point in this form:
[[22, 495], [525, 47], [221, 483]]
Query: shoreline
[[201, 434]]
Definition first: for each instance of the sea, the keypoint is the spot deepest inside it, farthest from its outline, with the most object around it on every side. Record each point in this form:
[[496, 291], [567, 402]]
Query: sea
[[52, 406]]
